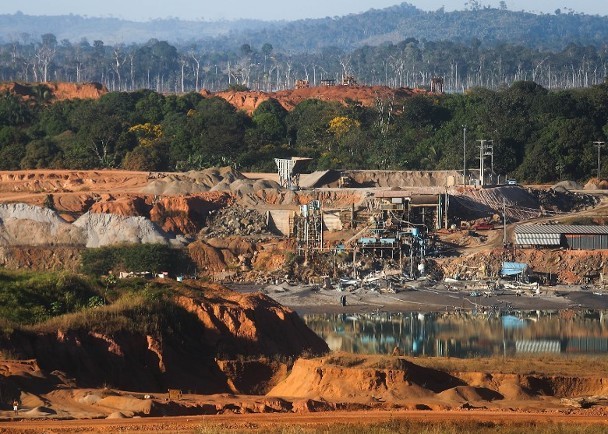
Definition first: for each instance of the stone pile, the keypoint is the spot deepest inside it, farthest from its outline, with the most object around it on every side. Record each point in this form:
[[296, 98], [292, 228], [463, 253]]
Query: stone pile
[[235, 221]]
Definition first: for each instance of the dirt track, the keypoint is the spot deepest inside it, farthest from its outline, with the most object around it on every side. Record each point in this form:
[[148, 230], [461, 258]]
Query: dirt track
[[260, 422]]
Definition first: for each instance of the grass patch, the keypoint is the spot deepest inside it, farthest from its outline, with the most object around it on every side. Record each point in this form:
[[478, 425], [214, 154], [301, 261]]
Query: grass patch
[[49, 301], [411, 426], [149, 311], [29, 297]]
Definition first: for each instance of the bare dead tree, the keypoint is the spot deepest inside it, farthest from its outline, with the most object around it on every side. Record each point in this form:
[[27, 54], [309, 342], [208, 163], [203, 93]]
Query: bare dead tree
[[196, 68], [118, 59]]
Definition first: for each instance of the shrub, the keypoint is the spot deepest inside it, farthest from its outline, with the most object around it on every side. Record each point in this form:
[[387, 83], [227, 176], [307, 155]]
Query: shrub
[[29, 298], [153, 258]]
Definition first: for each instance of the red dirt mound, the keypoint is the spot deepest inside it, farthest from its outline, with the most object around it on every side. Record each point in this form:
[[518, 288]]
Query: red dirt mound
[[59, 91], [332, 380], [186, 214], [365, 95], [126, 206], [177, 214]]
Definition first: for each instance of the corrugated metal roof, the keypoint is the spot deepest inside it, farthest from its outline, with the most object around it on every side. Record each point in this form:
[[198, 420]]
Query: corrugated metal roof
[[536, 239], [561, 229]]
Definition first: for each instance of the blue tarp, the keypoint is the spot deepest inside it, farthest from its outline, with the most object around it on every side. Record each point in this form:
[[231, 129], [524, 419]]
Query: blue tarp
[[513, 268]]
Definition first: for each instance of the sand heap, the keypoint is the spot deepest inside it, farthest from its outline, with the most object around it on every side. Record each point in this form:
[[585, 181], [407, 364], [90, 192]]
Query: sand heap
[[27, 225], [108, 229], [225, 179]]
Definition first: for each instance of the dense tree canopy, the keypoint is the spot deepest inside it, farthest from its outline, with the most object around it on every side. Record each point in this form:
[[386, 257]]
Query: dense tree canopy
[[538, 135]]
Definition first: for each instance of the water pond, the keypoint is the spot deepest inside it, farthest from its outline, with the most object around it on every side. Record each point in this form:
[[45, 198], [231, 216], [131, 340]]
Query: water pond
[[464, 334]]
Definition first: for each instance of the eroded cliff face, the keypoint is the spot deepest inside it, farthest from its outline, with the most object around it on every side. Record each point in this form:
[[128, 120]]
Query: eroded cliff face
[[253, 324], [219, 324]]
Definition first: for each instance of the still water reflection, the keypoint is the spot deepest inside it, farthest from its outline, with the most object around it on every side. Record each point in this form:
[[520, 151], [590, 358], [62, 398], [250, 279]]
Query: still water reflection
[[465, 334]]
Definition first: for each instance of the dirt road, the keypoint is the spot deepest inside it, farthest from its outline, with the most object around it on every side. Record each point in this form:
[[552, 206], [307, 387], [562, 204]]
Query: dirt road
[[321, 420]]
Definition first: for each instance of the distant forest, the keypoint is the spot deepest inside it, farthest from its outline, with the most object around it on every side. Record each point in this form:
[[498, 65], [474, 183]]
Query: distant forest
[[538, 135], [400, 46]]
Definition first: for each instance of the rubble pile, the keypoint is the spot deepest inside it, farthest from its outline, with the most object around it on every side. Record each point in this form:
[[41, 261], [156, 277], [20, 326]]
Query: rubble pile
[[560, 199], [571, 267], [235, 220]]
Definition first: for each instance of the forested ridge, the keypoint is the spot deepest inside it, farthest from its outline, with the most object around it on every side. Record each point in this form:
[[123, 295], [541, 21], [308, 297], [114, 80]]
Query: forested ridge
[[539, 136]]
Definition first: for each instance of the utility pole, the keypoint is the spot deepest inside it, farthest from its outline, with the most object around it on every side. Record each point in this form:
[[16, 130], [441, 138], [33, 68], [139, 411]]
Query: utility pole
[[504, 223], [599, 145], [485, 150], [464, 155]]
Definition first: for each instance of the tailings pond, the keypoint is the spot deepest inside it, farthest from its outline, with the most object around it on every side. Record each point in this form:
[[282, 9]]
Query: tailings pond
[[465, 334]]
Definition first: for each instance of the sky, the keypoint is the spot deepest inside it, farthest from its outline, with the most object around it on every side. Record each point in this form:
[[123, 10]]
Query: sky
[[267, 9]]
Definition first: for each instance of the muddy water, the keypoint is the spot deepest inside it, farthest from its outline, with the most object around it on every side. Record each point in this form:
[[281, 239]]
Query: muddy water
[[465, 334]]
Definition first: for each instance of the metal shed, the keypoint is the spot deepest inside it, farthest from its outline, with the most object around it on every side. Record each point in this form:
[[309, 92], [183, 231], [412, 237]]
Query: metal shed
[[568, 236]]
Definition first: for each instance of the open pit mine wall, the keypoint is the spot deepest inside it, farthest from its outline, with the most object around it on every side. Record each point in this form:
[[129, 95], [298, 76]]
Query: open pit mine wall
[[226, 326]]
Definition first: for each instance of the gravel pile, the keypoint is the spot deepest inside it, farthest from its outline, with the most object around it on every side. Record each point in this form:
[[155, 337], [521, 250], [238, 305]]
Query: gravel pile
[[213, 179]]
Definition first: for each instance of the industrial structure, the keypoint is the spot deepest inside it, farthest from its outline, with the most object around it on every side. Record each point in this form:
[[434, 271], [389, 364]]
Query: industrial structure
[[290, 170], [566, 236], [308, 229]]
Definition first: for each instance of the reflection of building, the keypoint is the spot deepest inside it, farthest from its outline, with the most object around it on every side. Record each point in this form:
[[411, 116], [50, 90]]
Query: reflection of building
[[538, 346], [586, 345], [463, 334]]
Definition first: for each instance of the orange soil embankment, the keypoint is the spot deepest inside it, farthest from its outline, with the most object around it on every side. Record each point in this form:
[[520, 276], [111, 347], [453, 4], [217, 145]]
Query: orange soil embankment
[[382, 379], [58, 90], [208, 321], [365, 95]]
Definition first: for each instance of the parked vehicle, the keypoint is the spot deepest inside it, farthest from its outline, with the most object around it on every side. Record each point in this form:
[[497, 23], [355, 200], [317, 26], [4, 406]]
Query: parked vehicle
[[511, 181], [483, 226]]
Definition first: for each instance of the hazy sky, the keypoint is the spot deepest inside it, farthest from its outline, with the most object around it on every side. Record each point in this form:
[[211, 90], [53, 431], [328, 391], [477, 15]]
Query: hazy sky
[[265, 9]]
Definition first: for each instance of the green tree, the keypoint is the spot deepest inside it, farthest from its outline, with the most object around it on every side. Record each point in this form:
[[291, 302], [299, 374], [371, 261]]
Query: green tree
[[40, 154]]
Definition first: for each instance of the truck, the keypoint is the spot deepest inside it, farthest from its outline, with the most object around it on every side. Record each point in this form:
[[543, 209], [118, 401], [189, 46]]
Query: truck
[[483, 226]]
